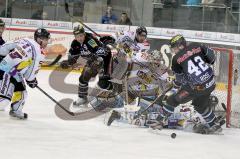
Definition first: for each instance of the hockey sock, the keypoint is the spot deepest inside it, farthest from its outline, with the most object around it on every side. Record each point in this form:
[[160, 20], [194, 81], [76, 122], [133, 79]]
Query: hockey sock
[[209, 116]]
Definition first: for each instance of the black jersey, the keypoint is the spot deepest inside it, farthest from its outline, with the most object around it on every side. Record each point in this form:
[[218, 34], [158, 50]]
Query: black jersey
[[192, 65], [90, 47]]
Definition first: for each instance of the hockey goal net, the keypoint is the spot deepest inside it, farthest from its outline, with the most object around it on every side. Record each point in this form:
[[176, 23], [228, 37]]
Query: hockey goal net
[[227, 89]]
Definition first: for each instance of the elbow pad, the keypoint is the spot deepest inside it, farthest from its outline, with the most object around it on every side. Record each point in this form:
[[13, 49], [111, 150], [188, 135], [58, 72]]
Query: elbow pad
[[210, 56], [6, 48]]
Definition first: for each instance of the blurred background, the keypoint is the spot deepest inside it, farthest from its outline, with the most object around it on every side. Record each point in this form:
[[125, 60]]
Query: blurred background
[[204, 15]]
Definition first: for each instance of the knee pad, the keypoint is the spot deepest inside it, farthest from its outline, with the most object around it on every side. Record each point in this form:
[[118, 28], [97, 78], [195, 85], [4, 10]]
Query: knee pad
[[4, 102], [18, 100]]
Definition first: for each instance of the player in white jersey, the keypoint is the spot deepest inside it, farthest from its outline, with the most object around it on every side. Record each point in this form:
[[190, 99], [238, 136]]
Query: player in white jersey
[[144, 81], [21, 63], [133, 42], [135, 45]]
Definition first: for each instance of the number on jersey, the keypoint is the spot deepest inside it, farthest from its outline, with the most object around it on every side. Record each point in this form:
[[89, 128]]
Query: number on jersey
[[197, 66]]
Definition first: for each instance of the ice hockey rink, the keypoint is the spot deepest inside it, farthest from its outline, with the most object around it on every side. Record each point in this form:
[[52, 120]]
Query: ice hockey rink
[[45, 136]]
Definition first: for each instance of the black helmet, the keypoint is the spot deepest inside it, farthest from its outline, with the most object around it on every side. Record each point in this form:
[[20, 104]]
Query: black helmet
[[78, 30], [141, 29], [2, 24], [41, 33], [177, 40]]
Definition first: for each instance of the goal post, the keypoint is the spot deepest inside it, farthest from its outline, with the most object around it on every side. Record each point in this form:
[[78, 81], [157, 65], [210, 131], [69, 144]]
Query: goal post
[[226, 91]]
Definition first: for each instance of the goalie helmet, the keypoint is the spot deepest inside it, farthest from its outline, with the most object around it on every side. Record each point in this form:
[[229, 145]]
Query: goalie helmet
[[41, 33], [78, 30], [2, 24], [177, 41]]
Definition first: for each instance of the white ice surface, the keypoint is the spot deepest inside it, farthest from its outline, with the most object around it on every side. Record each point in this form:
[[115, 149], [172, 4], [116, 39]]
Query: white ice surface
[[45, 136]]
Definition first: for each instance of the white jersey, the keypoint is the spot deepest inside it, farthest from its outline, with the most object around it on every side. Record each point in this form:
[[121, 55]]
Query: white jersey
[[128, 38], [138, 53], [22, 59]]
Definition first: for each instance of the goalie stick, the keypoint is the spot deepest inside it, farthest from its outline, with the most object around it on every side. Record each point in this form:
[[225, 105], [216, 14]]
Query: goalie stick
[[158, 97]]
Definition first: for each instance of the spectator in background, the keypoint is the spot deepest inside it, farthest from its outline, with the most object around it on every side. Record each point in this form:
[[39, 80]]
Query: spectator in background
[[2, 28], [109, 17], [9, 12], [193, 2], [44, 15], [125, 20]]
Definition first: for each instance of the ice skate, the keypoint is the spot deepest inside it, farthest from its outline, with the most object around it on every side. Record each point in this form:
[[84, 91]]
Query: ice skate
[[18, 114], [81, 102], [205, 129]]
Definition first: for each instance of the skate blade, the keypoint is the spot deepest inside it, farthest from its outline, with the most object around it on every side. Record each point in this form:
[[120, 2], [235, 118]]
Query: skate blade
[[79, 108], [14, 117]]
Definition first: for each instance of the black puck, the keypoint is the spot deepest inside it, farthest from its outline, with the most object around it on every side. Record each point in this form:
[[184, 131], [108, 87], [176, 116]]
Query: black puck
[[173, 135]]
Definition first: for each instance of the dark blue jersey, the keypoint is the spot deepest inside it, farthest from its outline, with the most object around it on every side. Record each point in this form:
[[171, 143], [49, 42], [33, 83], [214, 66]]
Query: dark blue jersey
[[192, 65]]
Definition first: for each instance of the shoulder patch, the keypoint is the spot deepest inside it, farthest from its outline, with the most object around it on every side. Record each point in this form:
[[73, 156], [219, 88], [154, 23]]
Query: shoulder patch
[[92, 43]]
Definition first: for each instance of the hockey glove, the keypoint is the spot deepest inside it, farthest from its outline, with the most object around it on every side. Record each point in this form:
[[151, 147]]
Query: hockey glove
[[64, 64], [107, 40], [32, 83]]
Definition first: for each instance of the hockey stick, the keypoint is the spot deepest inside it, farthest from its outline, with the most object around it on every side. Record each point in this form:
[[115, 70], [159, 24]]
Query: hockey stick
[[53, 62], [67, 11], [61, 106]]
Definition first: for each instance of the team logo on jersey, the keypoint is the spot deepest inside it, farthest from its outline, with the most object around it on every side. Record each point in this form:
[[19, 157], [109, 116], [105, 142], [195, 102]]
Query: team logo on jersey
[[92, 43]]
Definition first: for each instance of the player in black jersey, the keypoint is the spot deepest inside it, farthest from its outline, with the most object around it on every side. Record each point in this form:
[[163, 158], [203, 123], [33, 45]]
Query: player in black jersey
[[98, 57], [194, 81]]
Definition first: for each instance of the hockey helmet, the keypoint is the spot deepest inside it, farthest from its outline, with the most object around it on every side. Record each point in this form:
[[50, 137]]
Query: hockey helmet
[[41, 33], [177, 41], [78, 30], [141, 30]]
